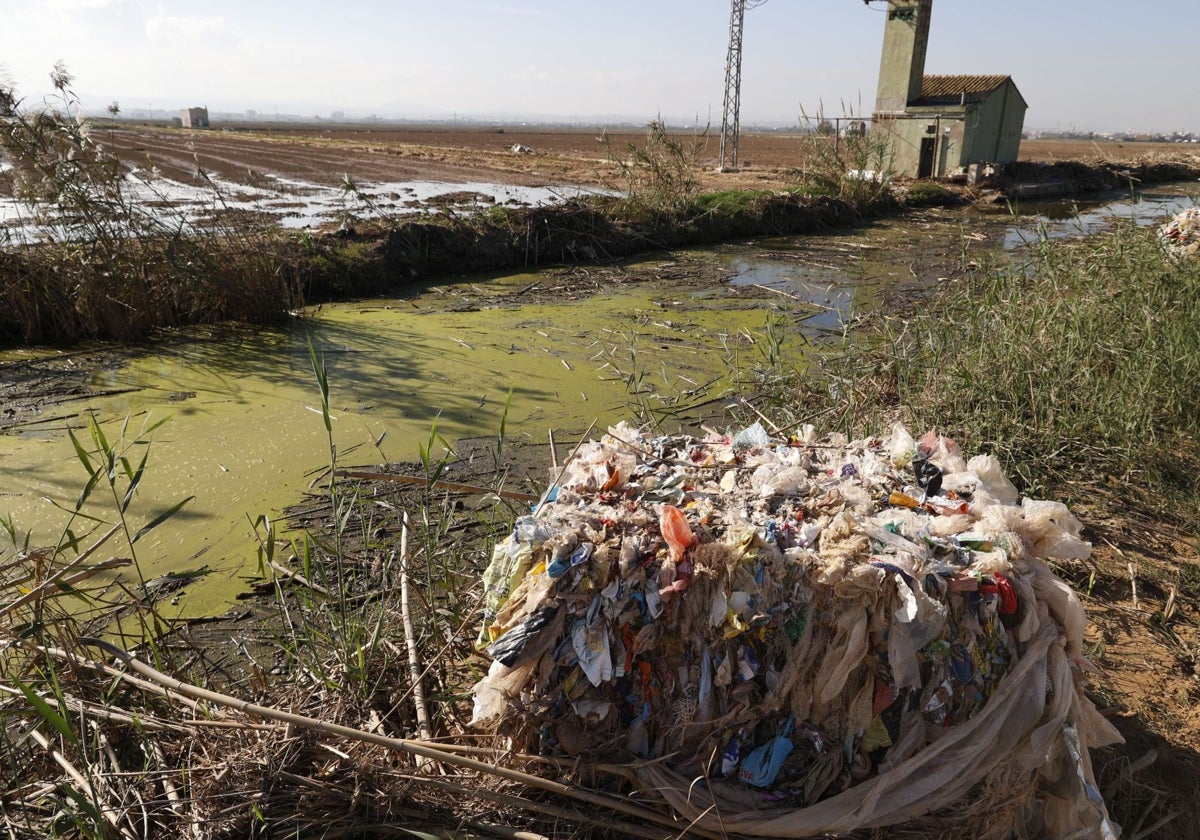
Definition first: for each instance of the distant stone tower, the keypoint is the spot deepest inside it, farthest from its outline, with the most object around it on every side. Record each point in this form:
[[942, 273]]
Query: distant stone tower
[[902, 66]]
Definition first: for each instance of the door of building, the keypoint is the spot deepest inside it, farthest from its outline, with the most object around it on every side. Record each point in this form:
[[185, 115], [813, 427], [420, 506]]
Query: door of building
[[925, 165]]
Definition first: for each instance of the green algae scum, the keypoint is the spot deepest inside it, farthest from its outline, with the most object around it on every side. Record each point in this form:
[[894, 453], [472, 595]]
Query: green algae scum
[[245, 435]]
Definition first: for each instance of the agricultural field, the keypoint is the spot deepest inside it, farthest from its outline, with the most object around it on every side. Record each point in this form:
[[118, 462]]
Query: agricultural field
[[324, 154]]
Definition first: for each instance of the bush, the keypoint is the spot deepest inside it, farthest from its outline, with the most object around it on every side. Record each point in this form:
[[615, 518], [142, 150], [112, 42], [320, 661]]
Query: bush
[[659, 175], [855, 167], [106, 265]]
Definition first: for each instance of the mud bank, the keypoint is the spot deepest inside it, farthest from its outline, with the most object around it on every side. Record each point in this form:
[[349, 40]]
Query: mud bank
[[375, 261], [1064, 179]]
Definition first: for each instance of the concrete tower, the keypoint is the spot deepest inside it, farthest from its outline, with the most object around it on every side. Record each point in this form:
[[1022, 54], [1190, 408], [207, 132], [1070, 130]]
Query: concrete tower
[[902, 67]]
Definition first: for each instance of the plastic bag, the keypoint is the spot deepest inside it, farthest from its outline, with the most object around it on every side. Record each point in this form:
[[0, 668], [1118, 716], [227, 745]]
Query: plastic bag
[[508, 648], [764, 763]]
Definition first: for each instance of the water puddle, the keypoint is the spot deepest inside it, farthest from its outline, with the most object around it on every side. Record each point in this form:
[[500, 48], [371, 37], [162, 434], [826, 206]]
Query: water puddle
[[1070, 219], [828, 288]]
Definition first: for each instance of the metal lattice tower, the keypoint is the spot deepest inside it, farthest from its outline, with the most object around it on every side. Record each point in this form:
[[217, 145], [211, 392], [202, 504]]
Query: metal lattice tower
[[731, 112], [730, 115]]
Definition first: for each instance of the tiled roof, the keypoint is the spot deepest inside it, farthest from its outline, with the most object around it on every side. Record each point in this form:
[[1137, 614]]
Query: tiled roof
[[950, 90]]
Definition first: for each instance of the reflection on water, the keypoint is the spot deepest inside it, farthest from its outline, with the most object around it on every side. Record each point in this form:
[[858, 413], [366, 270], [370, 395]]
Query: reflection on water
[[1064, 219], [829, 288]]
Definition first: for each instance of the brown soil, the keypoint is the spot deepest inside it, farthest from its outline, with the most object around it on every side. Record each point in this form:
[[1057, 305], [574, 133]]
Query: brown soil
[[248, 153]]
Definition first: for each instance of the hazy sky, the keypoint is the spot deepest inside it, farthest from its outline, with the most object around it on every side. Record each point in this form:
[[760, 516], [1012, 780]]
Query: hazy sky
[[1097, 65]]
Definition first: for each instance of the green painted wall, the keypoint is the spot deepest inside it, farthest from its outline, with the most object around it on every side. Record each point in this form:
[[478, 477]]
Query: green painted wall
[[984, 132], [902, 65]]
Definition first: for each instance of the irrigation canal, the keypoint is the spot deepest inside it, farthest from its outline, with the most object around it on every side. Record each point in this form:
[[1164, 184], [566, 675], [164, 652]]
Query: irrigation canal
[[245, 435]]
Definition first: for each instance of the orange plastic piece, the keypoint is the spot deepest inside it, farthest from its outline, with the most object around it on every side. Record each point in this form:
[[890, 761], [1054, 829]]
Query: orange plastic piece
[[676, 531]]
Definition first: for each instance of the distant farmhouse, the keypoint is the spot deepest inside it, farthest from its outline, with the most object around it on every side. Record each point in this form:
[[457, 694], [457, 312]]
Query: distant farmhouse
[[193, 117], [939, 124]]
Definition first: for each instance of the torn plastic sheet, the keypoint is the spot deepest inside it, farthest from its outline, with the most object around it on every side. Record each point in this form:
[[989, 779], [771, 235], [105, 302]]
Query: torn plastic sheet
[[508, 648]]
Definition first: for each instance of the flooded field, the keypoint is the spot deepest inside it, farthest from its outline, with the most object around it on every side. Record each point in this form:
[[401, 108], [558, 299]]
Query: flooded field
[[292, 203]]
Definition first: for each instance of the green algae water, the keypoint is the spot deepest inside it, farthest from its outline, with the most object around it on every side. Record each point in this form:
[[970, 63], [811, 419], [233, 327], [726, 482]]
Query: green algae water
[[245, 435]]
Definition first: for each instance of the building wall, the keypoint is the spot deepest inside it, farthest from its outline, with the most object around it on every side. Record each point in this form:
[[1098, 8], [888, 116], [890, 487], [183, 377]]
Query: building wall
[[988, 131], [994, 127], [905, 144], [902, 65], [1012, 123], [945, 130], [193, 117]]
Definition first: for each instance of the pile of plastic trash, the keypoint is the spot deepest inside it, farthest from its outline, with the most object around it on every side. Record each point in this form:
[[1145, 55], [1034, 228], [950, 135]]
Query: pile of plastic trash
[[793, 637], [1181, 235]]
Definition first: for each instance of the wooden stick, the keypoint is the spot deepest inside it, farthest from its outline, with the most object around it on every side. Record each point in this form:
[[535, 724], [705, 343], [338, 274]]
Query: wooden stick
[[410, 639], [410, 747], [548, 809], [62, 573], [296, 577], [1150, 832], [85, 787], [1169, 607], [505, 831], [541, 502], [762, 417]]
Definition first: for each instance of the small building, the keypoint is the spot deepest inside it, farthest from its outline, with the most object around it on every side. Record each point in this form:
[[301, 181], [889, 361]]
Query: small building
[[939, 124], [193, 117]]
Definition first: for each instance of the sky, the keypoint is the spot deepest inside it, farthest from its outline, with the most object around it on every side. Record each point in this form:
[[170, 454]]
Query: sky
[[1099, 65]]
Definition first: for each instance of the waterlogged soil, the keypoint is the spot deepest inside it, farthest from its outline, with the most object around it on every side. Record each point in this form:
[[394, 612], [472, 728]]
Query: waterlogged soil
[[255, 153], [41, 387]]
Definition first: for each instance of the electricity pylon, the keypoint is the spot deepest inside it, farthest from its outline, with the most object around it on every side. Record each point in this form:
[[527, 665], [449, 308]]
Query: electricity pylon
[[731, 112]]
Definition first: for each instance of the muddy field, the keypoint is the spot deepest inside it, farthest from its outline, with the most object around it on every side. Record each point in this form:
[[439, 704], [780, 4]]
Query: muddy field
[[259, 155]]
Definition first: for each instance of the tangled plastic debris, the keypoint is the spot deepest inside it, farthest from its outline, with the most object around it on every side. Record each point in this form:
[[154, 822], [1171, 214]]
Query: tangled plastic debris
[[1181, 235], [803, 637]]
